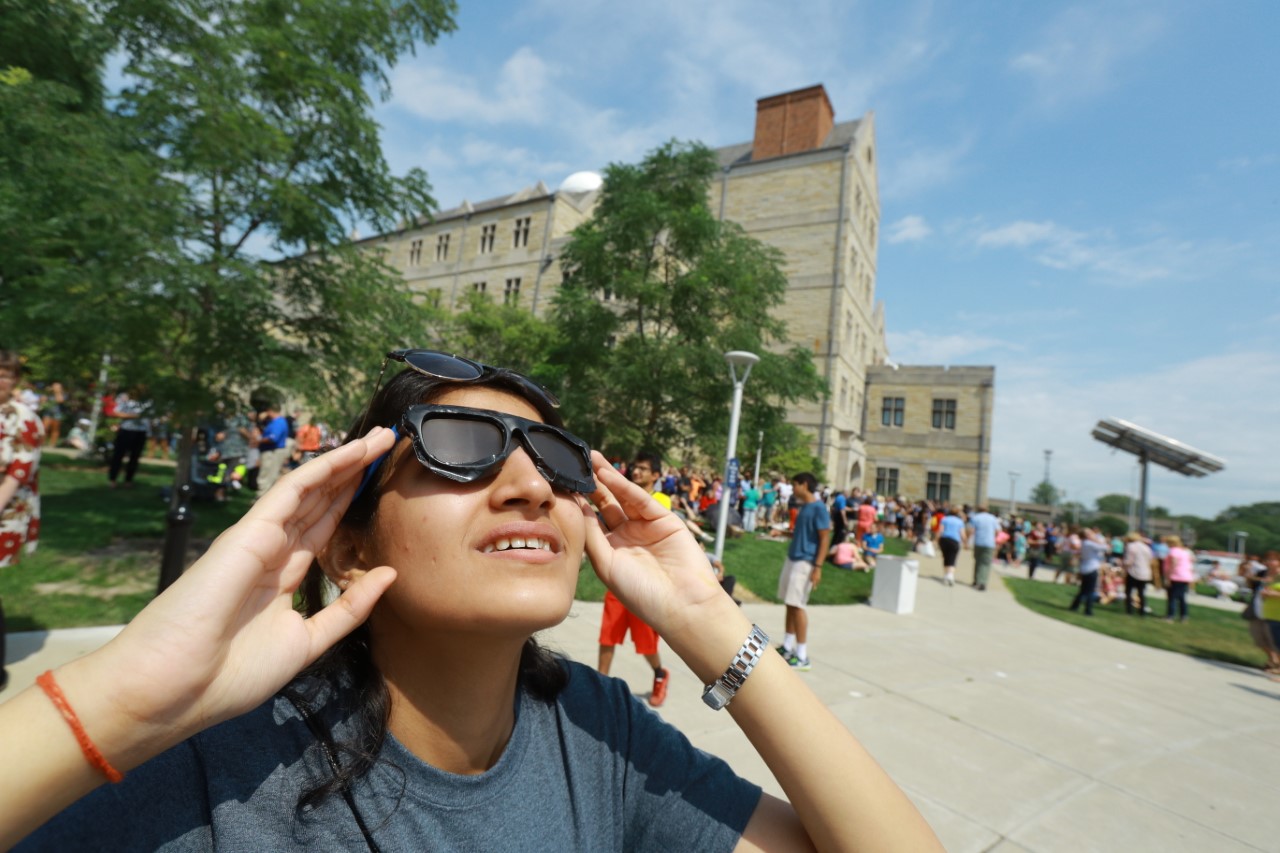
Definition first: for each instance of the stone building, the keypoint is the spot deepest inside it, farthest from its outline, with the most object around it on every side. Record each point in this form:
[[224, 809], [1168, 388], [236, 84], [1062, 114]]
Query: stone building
[[927, 431], [804, 183]]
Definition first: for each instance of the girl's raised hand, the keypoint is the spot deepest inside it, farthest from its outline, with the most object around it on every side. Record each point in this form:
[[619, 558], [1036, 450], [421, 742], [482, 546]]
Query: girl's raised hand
[[646, 555], [225, 636]]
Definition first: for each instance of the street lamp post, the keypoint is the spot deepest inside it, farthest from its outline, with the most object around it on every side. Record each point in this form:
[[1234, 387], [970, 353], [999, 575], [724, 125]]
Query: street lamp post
[[1013, 500], [1241, 536], [737, 359]]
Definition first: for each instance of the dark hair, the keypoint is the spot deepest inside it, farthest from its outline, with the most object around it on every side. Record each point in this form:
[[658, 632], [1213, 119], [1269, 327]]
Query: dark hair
[[347, 671], [810, 482], [11, 361], [650, 458]]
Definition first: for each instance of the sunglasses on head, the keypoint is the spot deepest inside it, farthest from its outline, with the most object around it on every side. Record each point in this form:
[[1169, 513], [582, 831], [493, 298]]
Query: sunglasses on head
[[465, 445], [455, 368]]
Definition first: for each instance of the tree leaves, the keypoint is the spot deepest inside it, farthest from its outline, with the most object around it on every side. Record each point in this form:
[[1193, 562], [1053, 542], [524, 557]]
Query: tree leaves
[[656, 290]]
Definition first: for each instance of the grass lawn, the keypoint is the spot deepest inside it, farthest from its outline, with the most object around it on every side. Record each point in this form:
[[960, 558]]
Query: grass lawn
[[99, 556], [1207, 633], [756, 563]]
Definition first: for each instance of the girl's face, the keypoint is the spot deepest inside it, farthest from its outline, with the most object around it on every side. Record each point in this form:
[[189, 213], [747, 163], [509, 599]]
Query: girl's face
[[456, 546]]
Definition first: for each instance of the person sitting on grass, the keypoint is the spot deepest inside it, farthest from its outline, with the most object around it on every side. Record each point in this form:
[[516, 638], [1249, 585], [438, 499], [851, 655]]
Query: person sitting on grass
[[844, 555], [873, 544]]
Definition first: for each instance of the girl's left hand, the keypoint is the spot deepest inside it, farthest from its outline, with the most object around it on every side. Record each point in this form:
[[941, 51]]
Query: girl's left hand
[[647, 557]]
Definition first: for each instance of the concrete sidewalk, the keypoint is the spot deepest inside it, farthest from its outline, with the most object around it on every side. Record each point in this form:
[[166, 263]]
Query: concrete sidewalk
[[1011, 731]]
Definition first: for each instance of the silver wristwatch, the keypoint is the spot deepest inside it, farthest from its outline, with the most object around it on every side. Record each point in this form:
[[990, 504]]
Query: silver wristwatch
[[721, 691]]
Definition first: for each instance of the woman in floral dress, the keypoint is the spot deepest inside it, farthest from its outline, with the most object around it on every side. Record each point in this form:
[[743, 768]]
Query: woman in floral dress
[[20, 438]]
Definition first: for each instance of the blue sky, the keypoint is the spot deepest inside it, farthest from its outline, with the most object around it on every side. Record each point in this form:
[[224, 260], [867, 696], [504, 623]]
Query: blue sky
[[1085, 195]]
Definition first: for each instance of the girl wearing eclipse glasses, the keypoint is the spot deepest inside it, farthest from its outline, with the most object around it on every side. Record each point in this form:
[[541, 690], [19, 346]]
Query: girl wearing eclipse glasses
[[407, 706]]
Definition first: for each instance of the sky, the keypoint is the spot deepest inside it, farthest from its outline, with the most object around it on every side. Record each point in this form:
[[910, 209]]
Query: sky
[[1084, 195]]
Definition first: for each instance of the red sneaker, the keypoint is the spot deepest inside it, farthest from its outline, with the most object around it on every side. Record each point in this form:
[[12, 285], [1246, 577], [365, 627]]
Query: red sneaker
[[659, 694]]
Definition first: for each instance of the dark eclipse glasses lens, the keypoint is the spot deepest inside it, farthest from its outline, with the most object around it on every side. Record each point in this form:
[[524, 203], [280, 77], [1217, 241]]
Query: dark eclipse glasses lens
[[464, 445]]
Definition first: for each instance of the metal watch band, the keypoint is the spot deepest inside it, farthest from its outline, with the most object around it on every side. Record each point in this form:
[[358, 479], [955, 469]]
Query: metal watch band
[[720, 692]]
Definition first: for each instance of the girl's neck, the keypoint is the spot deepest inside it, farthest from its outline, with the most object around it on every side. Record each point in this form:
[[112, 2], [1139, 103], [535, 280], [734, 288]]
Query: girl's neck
[[454, 706]]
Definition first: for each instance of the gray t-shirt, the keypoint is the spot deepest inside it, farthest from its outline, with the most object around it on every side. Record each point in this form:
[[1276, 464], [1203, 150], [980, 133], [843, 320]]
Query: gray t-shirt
[[594, 770]]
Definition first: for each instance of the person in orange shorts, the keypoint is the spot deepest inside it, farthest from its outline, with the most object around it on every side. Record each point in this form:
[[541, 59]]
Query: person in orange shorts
[[644, 471]]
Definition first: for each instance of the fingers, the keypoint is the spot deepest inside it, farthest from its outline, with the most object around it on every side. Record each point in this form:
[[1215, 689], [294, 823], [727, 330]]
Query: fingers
[[348, 611], [597, 543], [328, 474], [616, 493]]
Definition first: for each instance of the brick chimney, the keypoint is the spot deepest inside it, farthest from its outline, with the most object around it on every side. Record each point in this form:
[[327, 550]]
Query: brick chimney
[[792, 122]]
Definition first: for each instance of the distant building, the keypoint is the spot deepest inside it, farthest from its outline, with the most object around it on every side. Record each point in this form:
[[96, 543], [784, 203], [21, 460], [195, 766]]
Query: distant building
[[928, 431], [804, 184]]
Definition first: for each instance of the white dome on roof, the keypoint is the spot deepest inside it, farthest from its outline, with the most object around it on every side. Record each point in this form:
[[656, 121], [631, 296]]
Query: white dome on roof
[[581, 182]]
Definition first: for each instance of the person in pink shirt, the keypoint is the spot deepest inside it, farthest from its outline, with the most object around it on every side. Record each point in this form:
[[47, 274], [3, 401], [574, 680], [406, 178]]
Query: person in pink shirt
[[1179, 573], [845, 556]]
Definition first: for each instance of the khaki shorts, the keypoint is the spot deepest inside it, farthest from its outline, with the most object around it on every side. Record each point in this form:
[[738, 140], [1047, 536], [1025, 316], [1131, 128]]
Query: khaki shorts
[[793, 584]]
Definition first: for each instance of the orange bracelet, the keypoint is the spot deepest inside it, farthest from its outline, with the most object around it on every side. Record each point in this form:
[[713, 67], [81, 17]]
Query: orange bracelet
[[91, 752]]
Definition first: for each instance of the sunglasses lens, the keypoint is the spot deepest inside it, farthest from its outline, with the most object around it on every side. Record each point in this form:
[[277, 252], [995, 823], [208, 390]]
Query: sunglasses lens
[[452, 441], [441, 365], [560, 455]]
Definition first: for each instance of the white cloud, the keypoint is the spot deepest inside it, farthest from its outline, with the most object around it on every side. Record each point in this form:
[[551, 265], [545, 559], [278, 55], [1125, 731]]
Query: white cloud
[[908, 229], [1101, 254], [1079, 53], [921, 168], [917, 347], [522, 92]]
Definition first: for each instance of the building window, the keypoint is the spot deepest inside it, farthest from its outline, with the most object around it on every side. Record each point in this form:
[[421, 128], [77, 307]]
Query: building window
[[886, 481], [893, 411], [433, 298], [944, 414], [511, 293], [607, 294], [848, 326], [938, 487], [844, 395], [415, 253], [487, 233], [442, 247], [479, 286], [520, 239]]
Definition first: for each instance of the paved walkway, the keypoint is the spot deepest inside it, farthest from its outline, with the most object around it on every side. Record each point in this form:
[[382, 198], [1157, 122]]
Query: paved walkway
[[1011, 731]]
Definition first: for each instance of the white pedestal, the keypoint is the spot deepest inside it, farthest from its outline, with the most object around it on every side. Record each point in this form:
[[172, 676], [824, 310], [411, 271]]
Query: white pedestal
[[894, 586]]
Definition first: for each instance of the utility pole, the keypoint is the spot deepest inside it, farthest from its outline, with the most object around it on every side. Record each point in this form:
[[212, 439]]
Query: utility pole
[[1047, 454], [1013, 500]]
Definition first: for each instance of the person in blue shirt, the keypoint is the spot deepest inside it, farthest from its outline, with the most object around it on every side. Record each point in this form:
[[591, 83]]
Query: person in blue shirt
[[274, 446], [984, 526], [802, 570], [951, 536], [873, 544]]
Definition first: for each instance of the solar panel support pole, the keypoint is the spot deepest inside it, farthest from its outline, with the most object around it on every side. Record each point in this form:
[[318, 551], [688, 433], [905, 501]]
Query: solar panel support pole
[[1142, 503]]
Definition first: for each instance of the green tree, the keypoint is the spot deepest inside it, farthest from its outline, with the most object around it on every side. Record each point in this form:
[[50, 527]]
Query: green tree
[[499, 334], [794, 458], [1114, 504], [656, 290], [1044, 493], [259, 116], [1111, 525], [82, 211]]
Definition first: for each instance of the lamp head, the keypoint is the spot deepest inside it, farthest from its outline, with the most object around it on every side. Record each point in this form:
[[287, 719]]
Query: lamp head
[[740, 360]]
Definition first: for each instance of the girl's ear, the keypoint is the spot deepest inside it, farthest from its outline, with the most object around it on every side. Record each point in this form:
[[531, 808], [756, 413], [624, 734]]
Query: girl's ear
[[340, 559]]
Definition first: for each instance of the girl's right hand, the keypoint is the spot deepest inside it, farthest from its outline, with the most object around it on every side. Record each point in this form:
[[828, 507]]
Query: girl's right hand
[[225, 637]]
